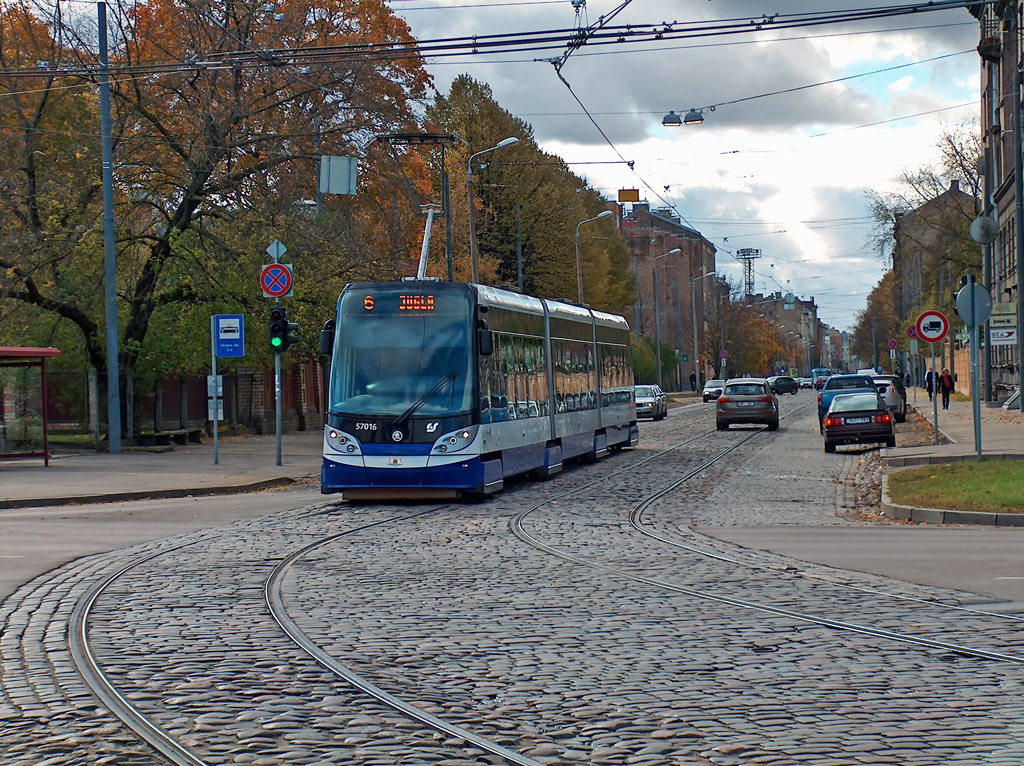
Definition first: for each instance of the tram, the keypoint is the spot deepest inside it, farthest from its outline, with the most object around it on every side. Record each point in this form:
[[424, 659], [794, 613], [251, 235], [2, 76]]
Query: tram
[[444, 388]]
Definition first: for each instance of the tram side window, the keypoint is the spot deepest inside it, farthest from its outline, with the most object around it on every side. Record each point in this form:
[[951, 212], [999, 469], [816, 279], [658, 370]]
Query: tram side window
[[614, 386], [574, 376]]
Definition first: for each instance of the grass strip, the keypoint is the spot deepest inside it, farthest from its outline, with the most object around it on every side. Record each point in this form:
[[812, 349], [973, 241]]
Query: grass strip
[[996, 486]]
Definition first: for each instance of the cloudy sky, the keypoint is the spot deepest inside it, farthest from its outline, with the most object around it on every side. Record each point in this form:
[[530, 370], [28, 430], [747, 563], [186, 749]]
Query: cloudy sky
[[785, 173]]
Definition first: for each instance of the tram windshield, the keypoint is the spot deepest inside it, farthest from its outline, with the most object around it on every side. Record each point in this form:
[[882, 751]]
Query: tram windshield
[[400, 352]]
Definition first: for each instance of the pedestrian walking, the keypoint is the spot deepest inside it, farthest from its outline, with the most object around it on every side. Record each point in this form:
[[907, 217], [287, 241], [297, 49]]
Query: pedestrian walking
[[693, 381], [906, 379], [929, 383], [945, 387]]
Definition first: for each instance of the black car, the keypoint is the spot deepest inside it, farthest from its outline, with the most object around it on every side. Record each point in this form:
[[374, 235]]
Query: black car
[[783, 384], [862, 418]]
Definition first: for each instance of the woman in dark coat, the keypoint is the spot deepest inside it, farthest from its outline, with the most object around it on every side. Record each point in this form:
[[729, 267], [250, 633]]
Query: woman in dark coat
[[929, 383], [945, 387]]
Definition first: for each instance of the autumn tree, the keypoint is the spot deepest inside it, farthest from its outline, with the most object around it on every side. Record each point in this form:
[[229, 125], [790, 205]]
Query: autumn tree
[[921, 231], [220, 112]]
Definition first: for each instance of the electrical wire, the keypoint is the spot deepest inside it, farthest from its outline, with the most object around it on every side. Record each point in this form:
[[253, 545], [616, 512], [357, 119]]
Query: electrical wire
[[506, 42]]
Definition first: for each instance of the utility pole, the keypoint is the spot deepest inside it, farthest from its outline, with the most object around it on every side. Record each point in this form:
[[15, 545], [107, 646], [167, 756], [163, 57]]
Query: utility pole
[[109, 255]]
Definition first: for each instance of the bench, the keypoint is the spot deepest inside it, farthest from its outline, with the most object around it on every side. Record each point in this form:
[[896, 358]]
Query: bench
[[166, 438]]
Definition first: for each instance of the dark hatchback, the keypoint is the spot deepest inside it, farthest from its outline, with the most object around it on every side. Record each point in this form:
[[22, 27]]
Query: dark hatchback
[[784, 384], [858, 419]]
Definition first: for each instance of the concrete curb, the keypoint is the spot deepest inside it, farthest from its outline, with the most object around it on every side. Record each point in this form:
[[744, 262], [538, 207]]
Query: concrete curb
[[156, 494], [906, 462], [942, 516]]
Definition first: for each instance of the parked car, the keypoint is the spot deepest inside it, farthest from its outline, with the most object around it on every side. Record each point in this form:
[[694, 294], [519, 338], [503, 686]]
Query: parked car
[[893, 391], [842, 384], [747, 400], [861, 418], [651, 402], [783, 384], [712, 389]]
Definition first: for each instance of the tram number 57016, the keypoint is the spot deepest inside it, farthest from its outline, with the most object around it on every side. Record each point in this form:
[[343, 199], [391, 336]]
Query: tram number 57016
[[366, 426]]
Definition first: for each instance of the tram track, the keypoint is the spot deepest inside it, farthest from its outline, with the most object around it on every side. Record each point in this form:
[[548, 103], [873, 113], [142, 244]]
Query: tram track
[[159, 739], [144, 726], [180, 755], [635, 520]]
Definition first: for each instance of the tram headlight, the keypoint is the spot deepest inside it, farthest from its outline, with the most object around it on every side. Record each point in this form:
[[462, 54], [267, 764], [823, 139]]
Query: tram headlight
[[336, 440], [456, 440]]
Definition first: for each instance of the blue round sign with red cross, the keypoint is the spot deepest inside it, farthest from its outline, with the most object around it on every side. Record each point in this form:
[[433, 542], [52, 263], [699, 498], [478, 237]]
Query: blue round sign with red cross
[[276, 280]]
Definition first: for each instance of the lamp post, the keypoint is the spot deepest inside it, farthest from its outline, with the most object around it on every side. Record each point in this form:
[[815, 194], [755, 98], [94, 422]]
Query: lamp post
[[579, 270], [657, 311], [693, 289], [472, 208]]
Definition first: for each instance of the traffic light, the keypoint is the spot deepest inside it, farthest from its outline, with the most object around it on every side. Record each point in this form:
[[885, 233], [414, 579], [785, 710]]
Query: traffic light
[[282, 332], [278, 325]]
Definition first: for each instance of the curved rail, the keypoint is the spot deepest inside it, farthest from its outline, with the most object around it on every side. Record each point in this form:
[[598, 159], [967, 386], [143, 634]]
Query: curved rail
[[85, 660], [275, 603], [517, 528]]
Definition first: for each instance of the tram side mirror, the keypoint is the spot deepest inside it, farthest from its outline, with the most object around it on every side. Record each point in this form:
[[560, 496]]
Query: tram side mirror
[[327, 338], [485, 339]]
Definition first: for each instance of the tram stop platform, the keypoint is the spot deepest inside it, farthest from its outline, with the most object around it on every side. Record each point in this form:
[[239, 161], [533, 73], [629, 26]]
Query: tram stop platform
[[245, 463]]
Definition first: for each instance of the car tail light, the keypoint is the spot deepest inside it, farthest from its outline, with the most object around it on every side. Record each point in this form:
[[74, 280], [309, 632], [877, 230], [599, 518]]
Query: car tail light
[[724, 399], [819, 398], [885, 417], [767, 399], [833, 421]]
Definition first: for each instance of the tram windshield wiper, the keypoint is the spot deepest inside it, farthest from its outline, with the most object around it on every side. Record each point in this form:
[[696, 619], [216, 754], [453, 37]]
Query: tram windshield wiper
[[434, 391]]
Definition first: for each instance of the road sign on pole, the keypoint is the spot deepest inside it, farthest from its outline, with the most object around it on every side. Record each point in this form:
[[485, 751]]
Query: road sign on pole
[[932, 326], [276, 280], [893, 344], [229, 335], [912, 331], [276, 250]]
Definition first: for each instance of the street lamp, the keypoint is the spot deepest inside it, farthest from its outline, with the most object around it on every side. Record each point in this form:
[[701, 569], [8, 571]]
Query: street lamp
[[472, 208], [693, 289], [692, 117], [657, 310], [579, 270]]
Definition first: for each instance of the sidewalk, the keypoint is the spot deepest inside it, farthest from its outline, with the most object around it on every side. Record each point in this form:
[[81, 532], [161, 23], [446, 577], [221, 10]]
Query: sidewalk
[[1002, 433], [246, 463]]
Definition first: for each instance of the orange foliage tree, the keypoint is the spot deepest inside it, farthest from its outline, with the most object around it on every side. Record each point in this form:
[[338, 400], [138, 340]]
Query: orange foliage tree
[[220, 113]]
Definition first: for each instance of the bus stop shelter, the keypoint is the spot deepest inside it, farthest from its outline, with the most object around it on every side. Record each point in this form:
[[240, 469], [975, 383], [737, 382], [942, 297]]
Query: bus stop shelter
[[15, 406]]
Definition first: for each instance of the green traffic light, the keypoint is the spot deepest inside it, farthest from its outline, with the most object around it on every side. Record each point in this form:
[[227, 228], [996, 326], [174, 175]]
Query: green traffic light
[[275, 342]]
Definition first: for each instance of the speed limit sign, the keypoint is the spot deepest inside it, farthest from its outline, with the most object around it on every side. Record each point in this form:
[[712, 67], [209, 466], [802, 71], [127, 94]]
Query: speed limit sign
[[932, 326]]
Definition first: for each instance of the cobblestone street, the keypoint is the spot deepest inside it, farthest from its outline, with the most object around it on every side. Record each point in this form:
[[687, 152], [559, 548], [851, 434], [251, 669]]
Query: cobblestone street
[[565, 661]]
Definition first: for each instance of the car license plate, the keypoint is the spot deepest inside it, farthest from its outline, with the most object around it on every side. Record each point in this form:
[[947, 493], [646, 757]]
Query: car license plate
[[857, 421], [745, 404]]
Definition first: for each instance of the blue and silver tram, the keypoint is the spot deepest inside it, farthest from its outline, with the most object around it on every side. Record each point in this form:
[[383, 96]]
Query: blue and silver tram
[[442, 387]]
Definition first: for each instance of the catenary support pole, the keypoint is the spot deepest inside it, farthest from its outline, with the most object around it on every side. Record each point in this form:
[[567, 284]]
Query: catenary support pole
[[109, 255]]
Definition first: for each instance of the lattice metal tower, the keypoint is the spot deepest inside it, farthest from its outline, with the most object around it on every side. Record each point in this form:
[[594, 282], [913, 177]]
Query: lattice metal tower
[[747, 255]]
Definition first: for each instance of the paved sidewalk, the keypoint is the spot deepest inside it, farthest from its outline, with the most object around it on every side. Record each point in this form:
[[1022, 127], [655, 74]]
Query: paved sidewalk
[[246, 463], [1002, 433]]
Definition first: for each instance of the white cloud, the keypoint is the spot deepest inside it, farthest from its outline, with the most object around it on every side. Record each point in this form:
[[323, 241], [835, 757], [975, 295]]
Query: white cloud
[[754, 168]]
